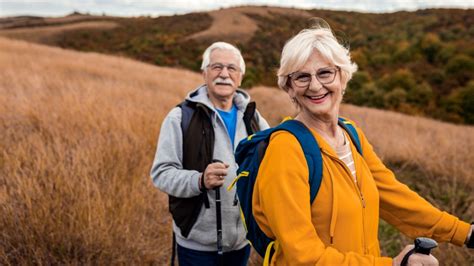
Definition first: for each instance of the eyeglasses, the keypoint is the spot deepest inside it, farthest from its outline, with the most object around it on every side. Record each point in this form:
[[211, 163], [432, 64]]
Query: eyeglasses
[[218, 67], [323, 75]]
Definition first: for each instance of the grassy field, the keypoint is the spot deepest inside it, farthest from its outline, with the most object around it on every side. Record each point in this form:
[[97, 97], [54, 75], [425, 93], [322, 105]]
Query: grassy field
[[77, 139]]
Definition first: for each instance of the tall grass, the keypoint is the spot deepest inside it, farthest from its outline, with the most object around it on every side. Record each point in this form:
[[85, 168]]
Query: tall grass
[[77, 139], [78, 133]]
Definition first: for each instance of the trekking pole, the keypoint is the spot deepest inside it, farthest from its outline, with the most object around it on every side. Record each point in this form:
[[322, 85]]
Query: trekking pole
[[220, 253], [423, 245]]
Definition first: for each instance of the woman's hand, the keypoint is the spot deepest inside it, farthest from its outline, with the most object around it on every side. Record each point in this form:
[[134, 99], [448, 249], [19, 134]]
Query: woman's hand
[[416, 259]]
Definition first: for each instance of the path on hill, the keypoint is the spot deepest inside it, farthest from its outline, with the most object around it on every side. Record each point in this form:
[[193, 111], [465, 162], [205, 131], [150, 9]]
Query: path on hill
[[233, 23]]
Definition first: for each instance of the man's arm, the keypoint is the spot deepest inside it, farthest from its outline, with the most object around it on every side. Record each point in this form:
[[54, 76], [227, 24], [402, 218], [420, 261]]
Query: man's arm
[[167, 171]]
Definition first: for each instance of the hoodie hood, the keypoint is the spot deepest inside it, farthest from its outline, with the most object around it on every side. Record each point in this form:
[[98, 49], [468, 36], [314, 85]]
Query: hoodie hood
[[199, 95]]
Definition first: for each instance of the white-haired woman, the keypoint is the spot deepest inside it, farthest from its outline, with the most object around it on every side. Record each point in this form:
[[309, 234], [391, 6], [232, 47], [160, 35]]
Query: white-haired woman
[[340, 226]]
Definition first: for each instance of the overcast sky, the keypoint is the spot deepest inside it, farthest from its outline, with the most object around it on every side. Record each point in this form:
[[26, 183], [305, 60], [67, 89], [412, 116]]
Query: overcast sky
[[170, 7]]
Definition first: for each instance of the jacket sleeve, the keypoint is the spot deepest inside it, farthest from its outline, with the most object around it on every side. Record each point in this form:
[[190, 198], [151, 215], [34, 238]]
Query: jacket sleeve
[[282, 208], [167, 172], [406, 210]]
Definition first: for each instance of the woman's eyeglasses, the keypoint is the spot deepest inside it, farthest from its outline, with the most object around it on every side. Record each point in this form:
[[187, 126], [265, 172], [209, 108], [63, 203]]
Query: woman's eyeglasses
[[323, 75]]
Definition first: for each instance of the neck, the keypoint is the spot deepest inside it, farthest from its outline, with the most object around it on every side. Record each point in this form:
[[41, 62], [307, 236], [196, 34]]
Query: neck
[[323, 124], [222, 103], [326, 126]]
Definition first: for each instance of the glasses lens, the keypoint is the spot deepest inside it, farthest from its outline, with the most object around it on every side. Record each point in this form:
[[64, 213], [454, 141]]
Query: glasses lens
[[232, 68], [326, 75], [217, 67], [301, 79]]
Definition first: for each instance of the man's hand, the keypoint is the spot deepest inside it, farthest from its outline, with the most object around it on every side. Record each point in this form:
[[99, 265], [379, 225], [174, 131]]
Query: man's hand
[[416, 259], [214, 175]]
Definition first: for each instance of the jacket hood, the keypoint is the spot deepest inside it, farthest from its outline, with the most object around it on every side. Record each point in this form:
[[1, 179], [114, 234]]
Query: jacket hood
[[200, 95]]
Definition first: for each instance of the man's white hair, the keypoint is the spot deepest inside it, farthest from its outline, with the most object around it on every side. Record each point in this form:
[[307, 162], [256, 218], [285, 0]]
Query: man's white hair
[[298, 50], [206, 57]]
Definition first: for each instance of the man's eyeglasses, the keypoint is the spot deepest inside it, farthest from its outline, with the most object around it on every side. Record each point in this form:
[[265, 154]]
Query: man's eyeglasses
[[218, 67], [323, 75]]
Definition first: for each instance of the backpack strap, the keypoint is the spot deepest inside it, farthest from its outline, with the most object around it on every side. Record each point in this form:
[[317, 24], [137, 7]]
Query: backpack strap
[[311, 152], [250, 121], [349, 127], [187, 111]]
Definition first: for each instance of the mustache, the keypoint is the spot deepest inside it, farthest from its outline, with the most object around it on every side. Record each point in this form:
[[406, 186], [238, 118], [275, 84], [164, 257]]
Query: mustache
[[223, 81]]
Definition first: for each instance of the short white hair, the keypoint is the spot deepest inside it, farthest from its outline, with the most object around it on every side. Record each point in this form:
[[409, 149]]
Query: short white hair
[[206, 57], [298, 49]]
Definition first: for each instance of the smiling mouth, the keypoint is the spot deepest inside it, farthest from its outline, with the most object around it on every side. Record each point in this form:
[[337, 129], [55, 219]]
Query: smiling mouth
[[319, 97]]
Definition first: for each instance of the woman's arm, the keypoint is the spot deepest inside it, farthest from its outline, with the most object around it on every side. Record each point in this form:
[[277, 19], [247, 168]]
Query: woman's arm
[[406, 210]]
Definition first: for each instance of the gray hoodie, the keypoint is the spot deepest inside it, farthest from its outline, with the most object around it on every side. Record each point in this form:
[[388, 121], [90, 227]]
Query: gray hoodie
[[169, 176]]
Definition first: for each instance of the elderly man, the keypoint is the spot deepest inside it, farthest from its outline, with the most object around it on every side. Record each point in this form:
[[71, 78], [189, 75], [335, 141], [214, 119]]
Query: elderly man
[[195, 158]]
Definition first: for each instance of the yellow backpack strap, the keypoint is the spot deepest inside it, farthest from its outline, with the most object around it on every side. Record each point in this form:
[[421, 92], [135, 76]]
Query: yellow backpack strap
[[267, 259], [286, 118], [243, 173]]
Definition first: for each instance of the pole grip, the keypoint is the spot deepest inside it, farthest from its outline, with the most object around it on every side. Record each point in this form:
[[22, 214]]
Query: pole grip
[[423, 245]]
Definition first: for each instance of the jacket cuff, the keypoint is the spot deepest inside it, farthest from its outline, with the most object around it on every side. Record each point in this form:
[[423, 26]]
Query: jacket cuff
[[202, 186], [460, 235], [195, 184]]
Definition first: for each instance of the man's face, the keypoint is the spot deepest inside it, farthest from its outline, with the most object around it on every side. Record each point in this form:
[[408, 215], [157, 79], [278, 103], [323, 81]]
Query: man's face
[[223, 74]]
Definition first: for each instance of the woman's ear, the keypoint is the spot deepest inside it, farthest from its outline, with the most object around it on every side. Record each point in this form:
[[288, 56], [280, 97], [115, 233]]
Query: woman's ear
[[291, 92]]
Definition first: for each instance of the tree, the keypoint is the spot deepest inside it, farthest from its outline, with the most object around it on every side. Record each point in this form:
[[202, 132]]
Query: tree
[[460, 68], [466, 101], [430, 46]]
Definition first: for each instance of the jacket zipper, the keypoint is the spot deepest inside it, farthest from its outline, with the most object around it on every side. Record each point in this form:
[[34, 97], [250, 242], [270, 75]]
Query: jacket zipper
[[361, 196]]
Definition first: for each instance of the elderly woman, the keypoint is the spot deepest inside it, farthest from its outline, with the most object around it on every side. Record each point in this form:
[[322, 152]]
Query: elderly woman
[[340, 227]]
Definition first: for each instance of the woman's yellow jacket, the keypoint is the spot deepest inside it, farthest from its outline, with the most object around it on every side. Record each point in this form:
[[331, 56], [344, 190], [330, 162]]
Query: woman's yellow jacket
[[341, 226]]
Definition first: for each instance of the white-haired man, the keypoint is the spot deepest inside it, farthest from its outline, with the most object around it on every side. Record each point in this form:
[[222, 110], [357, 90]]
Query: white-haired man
[[195, 157]]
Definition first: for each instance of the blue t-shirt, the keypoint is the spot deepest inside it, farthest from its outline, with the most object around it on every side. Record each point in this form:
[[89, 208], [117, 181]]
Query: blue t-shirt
[[230, 121]]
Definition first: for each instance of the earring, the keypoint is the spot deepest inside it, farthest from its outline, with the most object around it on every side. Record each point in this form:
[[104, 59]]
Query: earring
[[343, 92], [293, 99]]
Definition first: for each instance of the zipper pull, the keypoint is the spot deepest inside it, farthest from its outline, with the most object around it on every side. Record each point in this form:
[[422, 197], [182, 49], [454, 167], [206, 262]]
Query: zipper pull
[[363, 200]]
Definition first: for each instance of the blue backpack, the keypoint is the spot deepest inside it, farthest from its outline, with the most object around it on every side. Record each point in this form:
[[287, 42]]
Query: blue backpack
[[249, 155]]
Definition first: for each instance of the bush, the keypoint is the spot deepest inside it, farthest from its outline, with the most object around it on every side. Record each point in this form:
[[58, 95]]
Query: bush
[[394, 98], [460, 68], [466, 102]]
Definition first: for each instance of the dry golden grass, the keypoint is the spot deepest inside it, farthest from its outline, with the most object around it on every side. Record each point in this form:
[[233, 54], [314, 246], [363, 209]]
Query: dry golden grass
[[77, 139], [47, 34], [78, 133], [232, 24]]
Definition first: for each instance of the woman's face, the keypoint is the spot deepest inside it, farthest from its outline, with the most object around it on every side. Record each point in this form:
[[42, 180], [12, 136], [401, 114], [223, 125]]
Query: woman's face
[[317, 87]]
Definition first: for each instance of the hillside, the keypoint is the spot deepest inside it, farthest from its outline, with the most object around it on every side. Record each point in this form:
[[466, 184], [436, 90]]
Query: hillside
[[419, 63], [78, 134]]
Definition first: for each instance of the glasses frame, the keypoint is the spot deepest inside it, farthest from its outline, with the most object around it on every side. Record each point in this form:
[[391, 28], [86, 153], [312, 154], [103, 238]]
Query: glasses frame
[[238, 70], [336, 68]]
